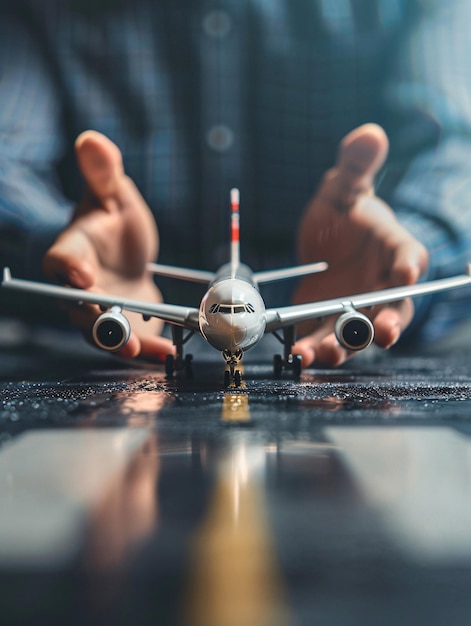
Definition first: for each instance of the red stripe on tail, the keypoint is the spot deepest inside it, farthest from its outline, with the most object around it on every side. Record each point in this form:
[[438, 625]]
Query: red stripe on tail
[[235, 231]]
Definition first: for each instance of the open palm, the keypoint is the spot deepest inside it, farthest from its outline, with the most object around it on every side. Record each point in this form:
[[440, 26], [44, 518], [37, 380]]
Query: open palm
[[366, 247], [105, 248]]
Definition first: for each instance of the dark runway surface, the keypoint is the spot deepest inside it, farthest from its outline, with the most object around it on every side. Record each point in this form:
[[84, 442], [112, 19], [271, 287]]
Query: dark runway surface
[[125, 498]]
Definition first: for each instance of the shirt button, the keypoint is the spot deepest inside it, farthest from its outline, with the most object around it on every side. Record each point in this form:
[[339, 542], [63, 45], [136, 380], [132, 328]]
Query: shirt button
[[217, 24], [220, 138]]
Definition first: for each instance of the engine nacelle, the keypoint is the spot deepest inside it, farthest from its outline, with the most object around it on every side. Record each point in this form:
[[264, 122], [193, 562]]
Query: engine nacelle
[[354, 330], [111, 330]]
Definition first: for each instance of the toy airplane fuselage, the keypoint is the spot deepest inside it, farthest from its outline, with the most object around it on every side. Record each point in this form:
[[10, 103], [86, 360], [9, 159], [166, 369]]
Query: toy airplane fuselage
[[232, 316], [232, 313]]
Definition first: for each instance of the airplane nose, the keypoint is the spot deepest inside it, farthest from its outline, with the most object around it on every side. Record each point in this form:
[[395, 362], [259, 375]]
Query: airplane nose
[[233, 329], [225, 332], [238, 333]]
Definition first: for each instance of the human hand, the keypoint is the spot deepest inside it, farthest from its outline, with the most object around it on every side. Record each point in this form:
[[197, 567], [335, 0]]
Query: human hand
[[106, 246], [366, 248]]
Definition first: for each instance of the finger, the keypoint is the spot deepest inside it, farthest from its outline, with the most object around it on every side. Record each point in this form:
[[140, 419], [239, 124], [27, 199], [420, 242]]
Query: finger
[[362, 153], [156, 348], [308, 346], [330, 352], [147, 347], [326, 352], [132, 349], [391, 321], [82, 316], [101, 164], [409, 263], [70, 260]]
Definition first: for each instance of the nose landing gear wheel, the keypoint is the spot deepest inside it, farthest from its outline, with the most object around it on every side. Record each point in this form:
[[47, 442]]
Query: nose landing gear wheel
[[231, 375], [236, 379]]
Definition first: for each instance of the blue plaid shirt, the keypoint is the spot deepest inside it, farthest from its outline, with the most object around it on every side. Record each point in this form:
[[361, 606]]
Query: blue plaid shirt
[[204, 95]]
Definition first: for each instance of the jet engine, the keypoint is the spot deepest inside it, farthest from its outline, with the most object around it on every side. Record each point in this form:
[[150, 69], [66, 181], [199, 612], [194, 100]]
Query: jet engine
[[354, 330], [111, 330]]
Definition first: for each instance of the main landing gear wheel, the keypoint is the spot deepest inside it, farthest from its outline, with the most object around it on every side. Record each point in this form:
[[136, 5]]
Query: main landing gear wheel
[[179, 363], [293, 362], [172, 364], [289, 360], [297, 366], [169, 365], [277, 365], [188, 365]]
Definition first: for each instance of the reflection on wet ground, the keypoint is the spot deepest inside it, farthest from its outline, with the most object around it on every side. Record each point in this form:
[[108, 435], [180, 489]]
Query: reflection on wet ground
[[339, 499], [137, 394]]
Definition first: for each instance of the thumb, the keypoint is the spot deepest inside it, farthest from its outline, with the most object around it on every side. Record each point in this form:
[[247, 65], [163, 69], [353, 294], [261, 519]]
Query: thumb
[[101, 164], [361, 154]]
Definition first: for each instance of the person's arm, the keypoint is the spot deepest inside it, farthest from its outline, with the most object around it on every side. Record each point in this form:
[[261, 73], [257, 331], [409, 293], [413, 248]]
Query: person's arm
[[428, 177], [427, 183], [102, 244], [33, 208]]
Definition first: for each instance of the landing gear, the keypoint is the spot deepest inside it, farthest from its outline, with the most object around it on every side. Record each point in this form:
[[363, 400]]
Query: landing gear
[[232, 376], [297, 365], [173, 365], [237, 378], [289, 360], [180, 362], [277, 365]]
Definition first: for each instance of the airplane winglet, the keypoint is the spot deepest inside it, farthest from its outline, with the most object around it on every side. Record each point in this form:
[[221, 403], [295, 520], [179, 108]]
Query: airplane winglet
[[6, 275]]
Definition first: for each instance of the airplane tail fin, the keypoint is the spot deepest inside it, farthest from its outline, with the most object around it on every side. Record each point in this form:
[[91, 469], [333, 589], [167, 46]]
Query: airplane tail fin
[[266, 276], [235, 231]]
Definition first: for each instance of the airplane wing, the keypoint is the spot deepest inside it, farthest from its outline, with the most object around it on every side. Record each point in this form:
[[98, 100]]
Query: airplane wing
[[182, 273], [289, 315], [174, 314], [289, 272]]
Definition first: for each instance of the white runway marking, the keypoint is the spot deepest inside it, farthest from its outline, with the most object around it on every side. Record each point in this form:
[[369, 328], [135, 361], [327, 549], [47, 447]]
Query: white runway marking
[[49, 480], [419, 482]]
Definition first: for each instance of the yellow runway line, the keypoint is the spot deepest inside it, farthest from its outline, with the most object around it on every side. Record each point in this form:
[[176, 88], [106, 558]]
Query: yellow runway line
[[234, 575]]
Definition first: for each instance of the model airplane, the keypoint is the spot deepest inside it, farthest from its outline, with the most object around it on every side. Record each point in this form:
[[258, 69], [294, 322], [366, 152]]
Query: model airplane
[[232, 316]]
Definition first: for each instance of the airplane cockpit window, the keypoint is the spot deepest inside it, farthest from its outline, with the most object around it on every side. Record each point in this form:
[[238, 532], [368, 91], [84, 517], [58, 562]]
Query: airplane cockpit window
[[227, 309]]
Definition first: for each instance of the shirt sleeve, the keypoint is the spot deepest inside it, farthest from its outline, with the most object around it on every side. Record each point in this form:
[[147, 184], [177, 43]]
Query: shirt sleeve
[[429, 103], [33, 208]]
